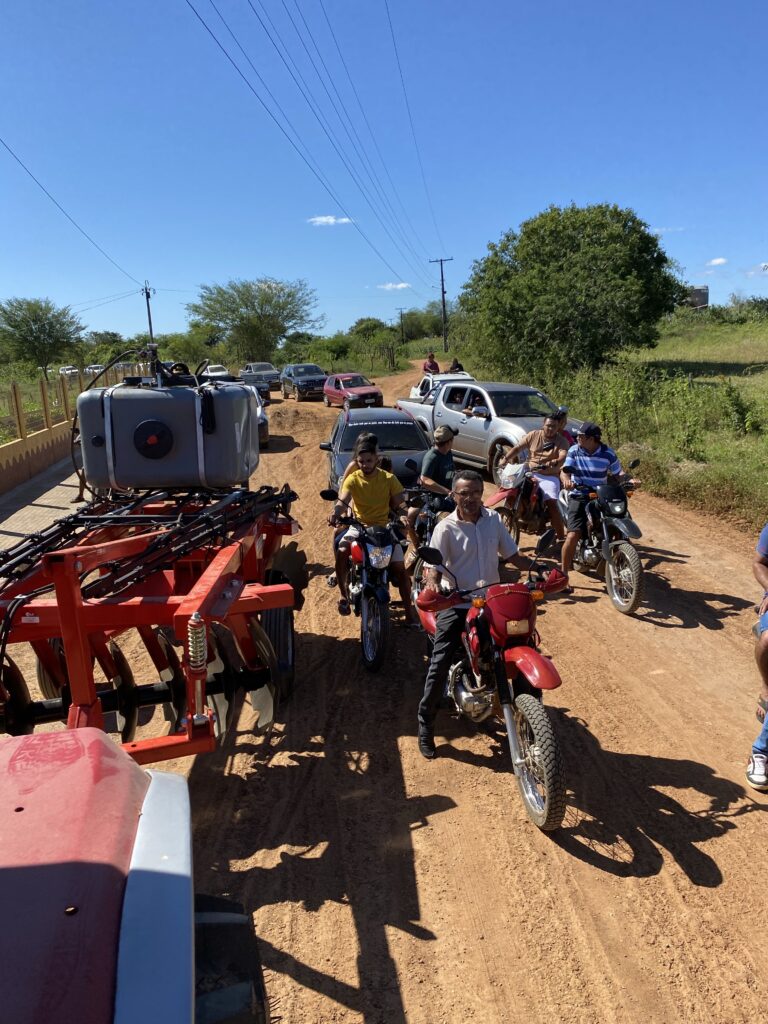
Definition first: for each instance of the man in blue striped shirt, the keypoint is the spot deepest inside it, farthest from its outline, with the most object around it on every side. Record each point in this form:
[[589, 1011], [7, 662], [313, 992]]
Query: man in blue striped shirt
[[588, 464]]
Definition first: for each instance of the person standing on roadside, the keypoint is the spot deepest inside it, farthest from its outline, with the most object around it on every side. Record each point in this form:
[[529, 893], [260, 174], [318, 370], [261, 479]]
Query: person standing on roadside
[[455, 366], [430, 364], [471, 540], [757, 768]]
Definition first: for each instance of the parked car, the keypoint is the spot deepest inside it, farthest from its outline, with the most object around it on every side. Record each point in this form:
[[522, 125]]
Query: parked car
[[263, 423], [348, 389], [400, 437], [488, 417], [215, 371], [68, 371], [94, 368], [260, 373], [302, 380], [430, 381]]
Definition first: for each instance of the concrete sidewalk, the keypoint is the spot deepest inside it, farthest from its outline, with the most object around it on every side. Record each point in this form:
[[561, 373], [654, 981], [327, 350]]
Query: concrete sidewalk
[[38, 503]]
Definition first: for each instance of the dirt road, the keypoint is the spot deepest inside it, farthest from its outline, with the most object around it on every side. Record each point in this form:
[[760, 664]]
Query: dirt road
[[387, 889]]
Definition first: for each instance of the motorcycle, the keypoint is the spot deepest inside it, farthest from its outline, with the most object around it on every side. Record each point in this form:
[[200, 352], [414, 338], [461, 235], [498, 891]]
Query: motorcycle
[[368, 583], [431, 506], [520, 501], [607, 547], [500, 671]]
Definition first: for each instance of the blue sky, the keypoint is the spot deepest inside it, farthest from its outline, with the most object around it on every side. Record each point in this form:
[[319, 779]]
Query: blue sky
[[139, 126]]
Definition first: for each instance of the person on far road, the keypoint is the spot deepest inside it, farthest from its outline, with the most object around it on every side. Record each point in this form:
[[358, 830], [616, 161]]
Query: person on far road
[[455, 366], [471, 541], [587, 465], [430, 364], [757, 769]]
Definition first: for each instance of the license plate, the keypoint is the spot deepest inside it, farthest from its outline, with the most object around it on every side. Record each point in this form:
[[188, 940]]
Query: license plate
[[369, 401]]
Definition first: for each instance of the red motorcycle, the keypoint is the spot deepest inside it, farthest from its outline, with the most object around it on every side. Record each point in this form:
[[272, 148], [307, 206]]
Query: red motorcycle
[[520, 501], [501, 672]]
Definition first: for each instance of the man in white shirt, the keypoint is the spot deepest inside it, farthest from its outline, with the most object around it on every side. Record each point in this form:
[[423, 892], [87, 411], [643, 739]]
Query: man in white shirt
[[471, 541]]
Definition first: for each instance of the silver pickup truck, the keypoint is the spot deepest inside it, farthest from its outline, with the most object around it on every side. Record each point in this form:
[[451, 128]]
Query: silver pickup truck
[[488, 417]]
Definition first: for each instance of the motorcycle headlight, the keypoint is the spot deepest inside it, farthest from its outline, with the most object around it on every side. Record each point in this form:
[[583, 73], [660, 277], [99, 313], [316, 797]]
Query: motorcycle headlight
[[517, 627], [618, 508], [379, 557]]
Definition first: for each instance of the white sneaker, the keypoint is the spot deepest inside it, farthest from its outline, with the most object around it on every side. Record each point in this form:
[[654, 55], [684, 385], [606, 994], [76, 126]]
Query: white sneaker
[[757, 772]]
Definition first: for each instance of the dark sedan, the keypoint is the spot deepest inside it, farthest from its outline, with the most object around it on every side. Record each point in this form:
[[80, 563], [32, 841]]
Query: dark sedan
[[400, 438], [302, 380]]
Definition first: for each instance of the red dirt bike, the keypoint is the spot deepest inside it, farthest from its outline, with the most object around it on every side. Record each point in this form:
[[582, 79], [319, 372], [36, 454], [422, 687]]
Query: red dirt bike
[[520, 502], [501, 672]]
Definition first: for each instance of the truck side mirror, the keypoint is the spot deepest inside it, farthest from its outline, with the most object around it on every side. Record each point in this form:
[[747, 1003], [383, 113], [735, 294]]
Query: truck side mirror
[[481, 411]]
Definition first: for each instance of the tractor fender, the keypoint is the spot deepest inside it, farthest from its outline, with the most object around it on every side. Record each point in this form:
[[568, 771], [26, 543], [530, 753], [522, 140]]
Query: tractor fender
[[538, 670]]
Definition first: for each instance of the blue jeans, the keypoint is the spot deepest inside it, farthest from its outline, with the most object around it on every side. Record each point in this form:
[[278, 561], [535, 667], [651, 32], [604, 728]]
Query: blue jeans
[[760, 746]]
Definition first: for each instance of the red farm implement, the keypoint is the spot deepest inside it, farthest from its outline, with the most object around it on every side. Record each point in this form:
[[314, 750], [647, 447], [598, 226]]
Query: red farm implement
[[95, 853]]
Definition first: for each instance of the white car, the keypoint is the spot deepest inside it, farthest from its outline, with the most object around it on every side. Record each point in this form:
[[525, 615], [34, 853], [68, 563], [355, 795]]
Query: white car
[[214, 370], [432, 380], [68, 371], [94, 368]]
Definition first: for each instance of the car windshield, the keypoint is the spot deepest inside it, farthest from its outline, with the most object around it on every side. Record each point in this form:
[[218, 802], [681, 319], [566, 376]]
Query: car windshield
[[393, 436], [521, 403], [216, 368], [355, 382], [261, 367], [308, 371]]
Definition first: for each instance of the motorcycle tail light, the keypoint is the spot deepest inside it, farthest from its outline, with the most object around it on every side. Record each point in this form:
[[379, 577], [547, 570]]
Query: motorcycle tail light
[[517, 627], [356, 553]]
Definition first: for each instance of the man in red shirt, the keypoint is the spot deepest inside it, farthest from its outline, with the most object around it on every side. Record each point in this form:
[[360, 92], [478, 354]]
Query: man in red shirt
[[430, 364]]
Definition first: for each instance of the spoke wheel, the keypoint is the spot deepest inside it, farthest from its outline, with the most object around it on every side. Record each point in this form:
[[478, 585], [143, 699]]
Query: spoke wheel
[[541, 778], [511, 523], [374, 632], [624, 578]]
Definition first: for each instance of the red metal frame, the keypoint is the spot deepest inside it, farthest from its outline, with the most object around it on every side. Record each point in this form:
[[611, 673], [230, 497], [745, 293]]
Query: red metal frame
[[222, 584]]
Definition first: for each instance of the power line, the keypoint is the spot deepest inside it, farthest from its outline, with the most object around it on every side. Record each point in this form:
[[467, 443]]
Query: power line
[[70, 219], [370, 129], [107, 302], [305, 90], [104, 298], [293, 145], [413, 129]]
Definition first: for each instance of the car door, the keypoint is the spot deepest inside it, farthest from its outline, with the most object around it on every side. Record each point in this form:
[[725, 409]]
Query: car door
[[448, 412], [474, 430]]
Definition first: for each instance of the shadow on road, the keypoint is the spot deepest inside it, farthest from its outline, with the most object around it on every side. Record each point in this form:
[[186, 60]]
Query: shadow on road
[[325, 809], [620, 815]]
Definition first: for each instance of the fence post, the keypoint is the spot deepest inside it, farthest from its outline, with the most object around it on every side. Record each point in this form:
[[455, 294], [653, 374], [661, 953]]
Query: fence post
[[18, 411], [46, 404], [64, 396]]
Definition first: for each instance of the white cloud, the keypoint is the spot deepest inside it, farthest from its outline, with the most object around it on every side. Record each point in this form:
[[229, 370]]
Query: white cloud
[[392, 286], [328, 221], [718, 261], [666, 231]]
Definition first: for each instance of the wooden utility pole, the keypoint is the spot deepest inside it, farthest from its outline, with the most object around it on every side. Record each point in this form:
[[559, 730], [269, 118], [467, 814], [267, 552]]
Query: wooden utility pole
[[445, 259], [146, 292], [401, 310]]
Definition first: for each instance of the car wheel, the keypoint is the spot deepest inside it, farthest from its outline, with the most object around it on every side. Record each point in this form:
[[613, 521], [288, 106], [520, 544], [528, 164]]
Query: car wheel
[[297, 395]]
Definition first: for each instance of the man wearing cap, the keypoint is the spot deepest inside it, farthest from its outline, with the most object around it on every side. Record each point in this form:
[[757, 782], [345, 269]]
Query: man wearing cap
[[437, 471], [588, 464], [430, 364]]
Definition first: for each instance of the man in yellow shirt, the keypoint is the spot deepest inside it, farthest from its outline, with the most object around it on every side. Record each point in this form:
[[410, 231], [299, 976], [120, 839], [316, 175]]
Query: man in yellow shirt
[[372, 492]]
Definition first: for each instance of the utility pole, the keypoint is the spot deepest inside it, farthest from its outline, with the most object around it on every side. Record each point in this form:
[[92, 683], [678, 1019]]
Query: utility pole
[[147, 291], [446, 259], [401, 310]]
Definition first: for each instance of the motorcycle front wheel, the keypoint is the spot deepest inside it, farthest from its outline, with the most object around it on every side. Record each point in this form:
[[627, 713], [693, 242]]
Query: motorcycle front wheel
[[541, 778], [624, 578], [511, 523], [374, 632]]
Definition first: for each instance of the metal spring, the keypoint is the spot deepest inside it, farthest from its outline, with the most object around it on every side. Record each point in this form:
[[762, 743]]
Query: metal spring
[[197, 642]]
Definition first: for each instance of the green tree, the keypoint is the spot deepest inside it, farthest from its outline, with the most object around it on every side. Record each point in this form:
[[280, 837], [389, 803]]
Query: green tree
[[365, 328], [574, 287], [254, 316], [37, 331]]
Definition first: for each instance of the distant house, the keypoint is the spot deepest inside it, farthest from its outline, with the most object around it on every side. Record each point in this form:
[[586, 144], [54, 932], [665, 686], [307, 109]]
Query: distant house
[[698, 296]]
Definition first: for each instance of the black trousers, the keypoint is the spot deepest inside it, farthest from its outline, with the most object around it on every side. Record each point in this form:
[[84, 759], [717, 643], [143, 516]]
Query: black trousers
[[449, 624]]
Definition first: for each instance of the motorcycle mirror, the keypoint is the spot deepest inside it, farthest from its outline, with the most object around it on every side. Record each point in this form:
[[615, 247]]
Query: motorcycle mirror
[[429, 555], [634, 463], [545, 541], [329, 494], [411, 465]]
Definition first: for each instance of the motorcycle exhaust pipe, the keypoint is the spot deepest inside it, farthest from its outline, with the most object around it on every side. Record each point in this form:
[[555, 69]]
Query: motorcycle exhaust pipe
[[514, 744]]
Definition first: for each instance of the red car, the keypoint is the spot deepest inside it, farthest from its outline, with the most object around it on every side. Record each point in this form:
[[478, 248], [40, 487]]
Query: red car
[[351, 389]]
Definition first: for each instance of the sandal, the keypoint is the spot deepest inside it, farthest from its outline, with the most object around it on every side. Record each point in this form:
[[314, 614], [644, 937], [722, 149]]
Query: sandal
[[343, 606], [761, 709]]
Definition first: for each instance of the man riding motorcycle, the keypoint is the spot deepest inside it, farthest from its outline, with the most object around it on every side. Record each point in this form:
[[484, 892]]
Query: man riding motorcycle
[[373, 492], [588, 464], [437, 471], [471, 540], [547, 449]]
